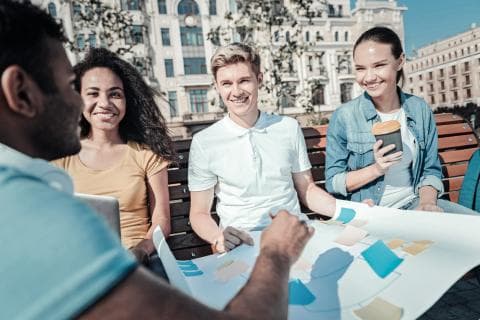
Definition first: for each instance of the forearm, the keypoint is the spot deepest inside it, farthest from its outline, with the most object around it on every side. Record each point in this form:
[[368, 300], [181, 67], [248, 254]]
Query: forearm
[[427, 195], [259, 298], [358, 178], [164, 224], [205, 227], [318, 200]]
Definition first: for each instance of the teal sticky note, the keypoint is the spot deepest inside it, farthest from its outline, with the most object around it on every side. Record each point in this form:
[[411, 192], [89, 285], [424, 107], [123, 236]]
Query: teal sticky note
[[346, 215], [298, 293], [191, 267], [193, 273], [184, 262], [381, 259]]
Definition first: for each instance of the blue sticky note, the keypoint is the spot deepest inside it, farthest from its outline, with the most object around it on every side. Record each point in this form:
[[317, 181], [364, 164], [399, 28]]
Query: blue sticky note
[[191, 267], [193, 273], [346, 215], [298, 293], [184, 262], [381, 258]]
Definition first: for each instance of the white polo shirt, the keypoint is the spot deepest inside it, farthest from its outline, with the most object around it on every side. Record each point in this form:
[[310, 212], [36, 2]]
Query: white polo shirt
[[251, 169]]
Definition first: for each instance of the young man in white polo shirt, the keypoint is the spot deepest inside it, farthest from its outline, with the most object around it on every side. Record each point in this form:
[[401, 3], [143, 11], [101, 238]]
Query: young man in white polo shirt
[[256, 163]]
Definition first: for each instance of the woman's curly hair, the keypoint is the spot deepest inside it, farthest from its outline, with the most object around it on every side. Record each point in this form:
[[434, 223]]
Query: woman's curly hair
[[143, 122]]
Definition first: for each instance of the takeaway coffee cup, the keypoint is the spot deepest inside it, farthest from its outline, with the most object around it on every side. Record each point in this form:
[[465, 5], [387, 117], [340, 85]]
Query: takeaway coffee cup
[[389, 132]]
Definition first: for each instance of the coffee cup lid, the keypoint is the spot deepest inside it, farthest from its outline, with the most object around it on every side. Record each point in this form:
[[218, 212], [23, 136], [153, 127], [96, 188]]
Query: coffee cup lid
[[385, 127]]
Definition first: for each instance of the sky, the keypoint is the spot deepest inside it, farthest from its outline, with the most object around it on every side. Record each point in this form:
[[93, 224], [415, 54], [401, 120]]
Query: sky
[[427, 21]]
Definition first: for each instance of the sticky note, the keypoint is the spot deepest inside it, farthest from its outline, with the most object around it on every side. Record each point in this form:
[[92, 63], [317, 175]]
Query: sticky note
[[346, 215], [381, 259], [350, 235], [231, 270], [191, 267], [423, 242], [298, 293], [379, 309], [358, 223], [193, 273], [415, 248], [395, 243], [184, 262]]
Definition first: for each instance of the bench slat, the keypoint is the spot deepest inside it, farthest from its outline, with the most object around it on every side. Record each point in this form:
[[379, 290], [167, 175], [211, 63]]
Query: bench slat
[[178, 192], [315, 131], [453, 184], [177, 175], [191, 253], [468, 140], [453, 129], [456, 155], [443, 118], [187, 240], [454, 170]]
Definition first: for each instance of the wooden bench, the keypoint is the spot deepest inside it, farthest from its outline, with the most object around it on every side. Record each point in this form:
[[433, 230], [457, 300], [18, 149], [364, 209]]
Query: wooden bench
[[457, 142]]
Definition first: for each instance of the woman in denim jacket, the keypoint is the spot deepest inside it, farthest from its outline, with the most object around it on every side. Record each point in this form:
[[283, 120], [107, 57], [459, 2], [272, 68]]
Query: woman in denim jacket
[[358, 167]]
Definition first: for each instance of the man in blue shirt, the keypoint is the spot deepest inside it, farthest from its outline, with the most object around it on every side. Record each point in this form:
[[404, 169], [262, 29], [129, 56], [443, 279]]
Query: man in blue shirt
[[58, 260]]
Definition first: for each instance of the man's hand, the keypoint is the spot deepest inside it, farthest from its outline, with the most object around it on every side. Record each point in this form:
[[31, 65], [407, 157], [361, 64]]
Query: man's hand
[[231, 238], [140, 254], [429, 207], [383, 162], [369, 202], [285, 237]]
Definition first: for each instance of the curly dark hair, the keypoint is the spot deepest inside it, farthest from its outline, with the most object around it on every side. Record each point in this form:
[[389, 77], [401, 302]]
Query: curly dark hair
[[143, 122]]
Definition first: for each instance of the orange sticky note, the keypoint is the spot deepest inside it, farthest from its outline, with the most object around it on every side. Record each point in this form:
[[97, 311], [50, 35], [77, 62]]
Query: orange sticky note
[[379, 309], [351, 235], [395, 243]]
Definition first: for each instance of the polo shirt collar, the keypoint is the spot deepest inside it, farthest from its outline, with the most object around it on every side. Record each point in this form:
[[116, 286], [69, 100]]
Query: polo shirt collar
[[259, 126], [37, 168]]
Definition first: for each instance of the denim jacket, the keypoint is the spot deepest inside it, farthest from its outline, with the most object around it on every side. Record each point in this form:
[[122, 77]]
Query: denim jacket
[[350, 146]]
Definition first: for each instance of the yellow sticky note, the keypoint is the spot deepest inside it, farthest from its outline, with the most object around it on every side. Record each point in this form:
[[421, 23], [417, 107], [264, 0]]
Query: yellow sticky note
[[395, 243], [415, 248], [379, 309]]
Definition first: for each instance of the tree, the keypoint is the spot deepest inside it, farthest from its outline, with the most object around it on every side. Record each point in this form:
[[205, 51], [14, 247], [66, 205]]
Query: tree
[[275, 30]]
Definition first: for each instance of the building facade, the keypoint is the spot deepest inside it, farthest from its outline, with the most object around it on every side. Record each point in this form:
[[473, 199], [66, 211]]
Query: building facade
[[170, 42], [447, 72]]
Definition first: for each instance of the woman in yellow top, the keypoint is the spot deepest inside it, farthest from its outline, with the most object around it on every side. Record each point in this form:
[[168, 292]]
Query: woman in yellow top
[[125, 148]]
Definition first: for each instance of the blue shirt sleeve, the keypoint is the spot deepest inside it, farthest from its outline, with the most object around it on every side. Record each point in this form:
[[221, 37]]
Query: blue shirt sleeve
[[58, 257]]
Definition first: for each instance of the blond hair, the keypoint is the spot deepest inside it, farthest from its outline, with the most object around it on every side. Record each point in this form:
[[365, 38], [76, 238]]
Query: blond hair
[[234, 53]]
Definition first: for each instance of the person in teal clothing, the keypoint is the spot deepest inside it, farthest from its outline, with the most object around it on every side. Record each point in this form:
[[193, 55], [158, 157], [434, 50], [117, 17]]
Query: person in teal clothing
[[59, 261], [470, 192], [357, 166]]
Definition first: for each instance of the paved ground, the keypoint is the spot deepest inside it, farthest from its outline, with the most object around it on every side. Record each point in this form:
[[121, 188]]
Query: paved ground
[[461, 302]]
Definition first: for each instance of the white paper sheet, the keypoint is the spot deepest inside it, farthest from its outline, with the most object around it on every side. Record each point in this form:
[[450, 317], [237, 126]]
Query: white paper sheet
[[341, 279]]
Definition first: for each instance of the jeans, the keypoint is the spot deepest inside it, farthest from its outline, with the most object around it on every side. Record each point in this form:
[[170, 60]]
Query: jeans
[[447, 206]]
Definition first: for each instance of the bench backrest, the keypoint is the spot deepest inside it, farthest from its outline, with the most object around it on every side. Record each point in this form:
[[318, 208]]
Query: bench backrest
[[457, 142]]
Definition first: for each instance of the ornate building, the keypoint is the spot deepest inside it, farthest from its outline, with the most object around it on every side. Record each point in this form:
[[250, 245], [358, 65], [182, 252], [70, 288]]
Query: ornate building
[[169, 42], [447, 72]]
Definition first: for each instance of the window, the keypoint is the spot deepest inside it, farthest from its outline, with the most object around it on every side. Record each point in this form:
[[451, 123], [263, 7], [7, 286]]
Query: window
[[468, 93], [340, 11], [310, 63], [212, 7], [345, 36], [346, 92], [195, 65], [188, 7], [92, 40], [455, 95], [454, 69], [198, 100], [421, 89], [336, 36], [52, 9], [307, 36], [169, 68], [318, 97], [77, 9], [172, 101], [431, 87], [466, 66], [318, 37], [331, 10], [276, 36], [442, 85], [420, 77], [441, 73], [131, 4], [136, 35], [165, 36], [162, 6], [432, 99], [430, 75], [287, 36], [80, 41], [443, 97], [191, 36], [454, 82], [467, 79]]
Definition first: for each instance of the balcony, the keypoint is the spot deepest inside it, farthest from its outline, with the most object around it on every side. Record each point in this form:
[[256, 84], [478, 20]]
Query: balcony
[[194, 80], [440, 76], [466, 84], [465, 70], [452, 73]]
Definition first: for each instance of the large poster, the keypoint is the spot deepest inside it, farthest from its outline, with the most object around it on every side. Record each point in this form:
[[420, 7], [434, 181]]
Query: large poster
[[364, 263]]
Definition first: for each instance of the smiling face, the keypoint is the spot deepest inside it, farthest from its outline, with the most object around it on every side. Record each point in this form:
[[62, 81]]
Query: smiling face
[[104, 98], [238, 85], [376, 68]]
